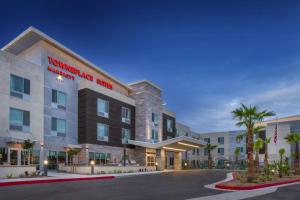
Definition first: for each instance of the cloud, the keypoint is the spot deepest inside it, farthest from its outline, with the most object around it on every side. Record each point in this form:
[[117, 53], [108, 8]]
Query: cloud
[[283, 98]]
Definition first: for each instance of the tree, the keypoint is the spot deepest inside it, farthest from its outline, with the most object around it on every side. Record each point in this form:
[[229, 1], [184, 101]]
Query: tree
[[248, 116], [266, 159], [294, 138], [209, 147], [237, 152], [27, 144], [280, 166], [258, 144]]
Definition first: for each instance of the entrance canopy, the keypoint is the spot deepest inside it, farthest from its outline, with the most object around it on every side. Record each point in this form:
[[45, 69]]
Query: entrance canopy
[[179, 144]]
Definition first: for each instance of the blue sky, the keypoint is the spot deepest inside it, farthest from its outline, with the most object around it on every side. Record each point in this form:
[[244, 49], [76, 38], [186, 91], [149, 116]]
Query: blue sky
[[207, 56]]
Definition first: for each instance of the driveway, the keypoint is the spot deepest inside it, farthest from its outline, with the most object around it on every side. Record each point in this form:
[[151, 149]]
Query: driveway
[[171, 185]]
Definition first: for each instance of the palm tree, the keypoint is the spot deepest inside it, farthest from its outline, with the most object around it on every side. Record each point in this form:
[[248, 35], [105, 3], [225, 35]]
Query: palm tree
[[280, 167], [294, 138], [258, 144], [237, 152], [209, 147], [248, 117], [266, 159]]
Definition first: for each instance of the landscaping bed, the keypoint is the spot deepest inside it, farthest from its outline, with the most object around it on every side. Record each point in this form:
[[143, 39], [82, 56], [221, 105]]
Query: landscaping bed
[[238, 182]]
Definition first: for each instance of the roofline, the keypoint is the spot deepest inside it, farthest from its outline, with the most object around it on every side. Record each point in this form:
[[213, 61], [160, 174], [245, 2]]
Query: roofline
[[52, 41], [145, 81]]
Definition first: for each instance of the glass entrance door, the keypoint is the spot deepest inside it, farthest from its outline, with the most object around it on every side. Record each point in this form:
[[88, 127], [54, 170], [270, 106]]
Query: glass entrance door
[[13, 157], [170, 160]]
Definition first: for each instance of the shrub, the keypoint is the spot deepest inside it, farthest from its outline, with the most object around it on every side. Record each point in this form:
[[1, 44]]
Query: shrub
[[9, 176]]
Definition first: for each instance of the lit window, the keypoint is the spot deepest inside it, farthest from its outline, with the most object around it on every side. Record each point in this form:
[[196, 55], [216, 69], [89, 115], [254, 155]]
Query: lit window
[[169, 125], [58, 127], [59, 99], [102, 108], [126, 115], [19, 87], [102, 132], [19, 120], [125, 135]]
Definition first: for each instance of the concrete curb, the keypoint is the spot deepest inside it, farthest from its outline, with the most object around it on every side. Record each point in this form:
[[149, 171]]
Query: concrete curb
[[70, 179], [54, 180]]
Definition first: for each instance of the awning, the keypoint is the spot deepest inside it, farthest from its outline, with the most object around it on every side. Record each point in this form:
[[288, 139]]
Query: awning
[[182, 143], [73, 146]]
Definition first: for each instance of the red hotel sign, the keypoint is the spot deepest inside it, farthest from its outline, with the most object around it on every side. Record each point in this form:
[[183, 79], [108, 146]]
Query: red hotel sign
[[74, 72]]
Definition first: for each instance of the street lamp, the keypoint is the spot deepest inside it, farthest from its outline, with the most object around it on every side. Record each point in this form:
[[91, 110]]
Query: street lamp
[[185, 164], [46, 167], [92, 166], [156, 165]]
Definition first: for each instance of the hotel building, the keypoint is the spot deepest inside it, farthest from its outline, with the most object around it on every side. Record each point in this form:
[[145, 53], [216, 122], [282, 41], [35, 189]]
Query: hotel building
[[61, 101]]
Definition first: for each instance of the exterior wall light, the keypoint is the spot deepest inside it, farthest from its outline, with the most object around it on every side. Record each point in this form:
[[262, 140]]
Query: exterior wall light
[[46, 167], [92, 166]]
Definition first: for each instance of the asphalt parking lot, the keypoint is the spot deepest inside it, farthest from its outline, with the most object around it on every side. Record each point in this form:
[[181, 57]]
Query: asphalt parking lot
[[171, 185], [290, 192]]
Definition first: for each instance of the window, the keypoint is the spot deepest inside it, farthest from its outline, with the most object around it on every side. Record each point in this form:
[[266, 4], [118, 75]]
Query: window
[[197, 152], [126, 115], [154, 135], [125, 135], [154, 119], [205, 152], [221, 140], [207, 140], [3, 155], [150, 160], [99, 158], [19, 120], [102, 132], [169, 125], [241, 149], [59, 99], [194, 151], [19, 87], [102, 108], [58, 126], [221, 151]]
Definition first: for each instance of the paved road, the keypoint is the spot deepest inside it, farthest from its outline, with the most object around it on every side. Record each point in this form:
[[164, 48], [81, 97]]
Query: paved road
[[173, 185], [283, 193]]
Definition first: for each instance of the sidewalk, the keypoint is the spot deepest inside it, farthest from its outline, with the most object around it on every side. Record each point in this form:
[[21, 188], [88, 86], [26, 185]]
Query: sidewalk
[[64, 177]]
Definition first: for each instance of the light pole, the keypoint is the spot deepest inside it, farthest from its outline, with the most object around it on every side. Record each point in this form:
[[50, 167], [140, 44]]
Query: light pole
[[46, 167], [92, 166], [156, 166]]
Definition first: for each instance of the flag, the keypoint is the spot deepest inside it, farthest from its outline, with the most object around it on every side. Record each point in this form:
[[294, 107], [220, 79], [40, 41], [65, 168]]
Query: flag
[[275, 134]]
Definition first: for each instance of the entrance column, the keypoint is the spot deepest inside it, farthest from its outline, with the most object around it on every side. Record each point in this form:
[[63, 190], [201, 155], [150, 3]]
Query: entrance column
[[177, 160], [161, 159]]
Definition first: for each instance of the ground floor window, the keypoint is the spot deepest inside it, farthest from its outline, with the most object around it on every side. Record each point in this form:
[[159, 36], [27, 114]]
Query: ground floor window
[[99, 158], [13, 156], [3, 155], [150, 160], [25, 157], [55, 158]]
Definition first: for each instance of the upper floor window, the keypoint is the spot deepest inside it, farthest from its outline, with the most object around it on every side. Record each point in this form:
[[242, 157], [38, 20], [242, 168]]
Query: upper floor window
[[207, 140], [154, 119], [198, 152], [102, 132], [154, 135], [19, 120], [221, 151], [125, 135], [205, 151], [59, 126], [241, 149], [59, 99], [19, 87], [169, 125], [126, 115], [102, 108], [221, 140]]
